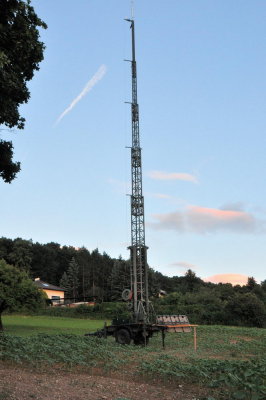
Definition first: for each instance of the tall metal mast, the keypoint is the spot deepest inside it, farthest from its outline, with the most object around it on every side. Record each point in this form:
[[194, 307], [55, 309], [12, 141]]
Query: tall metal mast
[[138, 249]]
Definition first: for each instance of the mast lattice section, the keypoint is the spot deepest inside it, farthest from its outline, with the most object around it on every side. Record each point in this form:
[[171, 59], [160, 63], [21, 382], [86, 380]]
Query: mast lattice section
[[138, 249]]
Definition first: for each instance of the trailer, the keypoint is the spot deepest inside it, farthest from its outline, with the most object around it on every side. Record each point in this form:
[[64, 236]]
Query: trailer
[[127, 332]]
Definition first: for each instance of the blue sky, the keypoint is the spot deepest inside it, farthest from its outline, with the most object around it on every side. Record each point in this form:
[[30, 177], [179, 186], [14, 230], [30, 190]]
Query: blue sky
[[201, 92]]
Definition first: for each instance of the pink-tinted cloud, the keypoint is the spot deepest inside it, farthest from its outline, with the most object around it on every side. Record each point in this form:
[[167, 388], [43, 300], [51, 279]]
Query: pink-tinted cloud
[[208, 219], [202, 220], [170, 176], [235, 279]]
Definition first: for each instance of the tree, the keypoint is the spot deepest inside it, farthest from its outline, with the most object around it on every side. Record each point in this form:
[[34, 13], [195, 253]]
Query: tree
[[83, 259], [246, 309], [72, 275], [21, 51], [6, 246], [17, 291], [263, 285], [190, 282], [251, 284], [8, 168], [21, 255], [119, 279], [224, 290], [64, 283], [44, 262]]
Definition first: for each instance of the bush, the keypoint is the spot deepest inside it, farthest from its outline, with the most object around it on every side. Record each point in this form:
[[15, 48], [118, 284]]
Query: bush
[[246, 310], [102, 310], [17, 291], [207, 307], [112, 309]]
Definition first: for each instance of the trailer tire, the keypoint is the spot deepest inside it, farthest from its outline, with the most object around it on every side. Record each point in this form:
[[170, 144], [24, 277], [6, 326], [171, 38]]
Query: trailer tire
[[123, 336]]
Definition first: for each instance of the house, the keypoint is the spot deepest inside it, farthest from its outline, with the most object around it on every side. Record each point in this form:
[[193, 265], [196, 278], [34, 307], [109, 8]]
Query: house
[[55, 293]]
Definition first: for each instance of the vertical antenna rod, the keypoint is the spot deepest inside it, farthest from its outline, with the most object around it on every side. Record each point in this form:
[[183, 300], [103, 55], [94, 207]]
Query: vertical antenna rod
[[138, 250], [132, 9]]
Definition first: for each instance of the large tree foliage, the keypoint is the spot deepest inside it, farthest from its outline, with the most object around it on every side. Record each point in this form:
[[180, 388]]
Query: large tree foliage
[[17, 291], [8, 168], [17, 252], [21, 51], [246, 309]]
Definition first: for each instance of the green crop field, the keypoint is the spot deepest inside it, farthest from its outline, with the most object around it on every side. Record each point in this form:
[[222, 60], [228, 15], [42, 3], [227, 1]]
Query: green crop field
[[229, 363], [24, 325]]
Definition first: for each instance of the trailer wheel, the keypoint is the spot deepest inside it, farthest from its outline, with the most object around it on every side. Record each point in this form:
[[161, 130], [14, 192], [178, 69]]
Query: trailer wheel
[[123, 336], [140, 340]]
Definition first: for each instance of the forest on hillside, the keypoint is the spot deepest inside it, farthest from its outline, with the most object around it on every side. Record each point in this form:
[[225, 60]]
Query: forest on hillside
[[91, 275]]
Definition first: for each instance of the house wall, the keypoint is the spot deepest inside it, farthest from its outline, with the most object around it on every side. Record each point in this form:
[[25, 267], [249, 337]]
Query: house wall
[[51, 293]]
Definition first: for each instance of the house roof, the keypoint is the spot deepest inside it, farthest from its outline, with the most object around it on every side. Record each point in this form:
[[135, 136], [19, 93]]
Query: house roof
[[47, 286]]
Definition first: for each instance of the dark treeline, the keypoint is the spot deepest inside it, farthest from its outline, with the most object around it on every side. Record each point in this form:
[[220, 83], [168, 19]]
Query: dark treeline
[[91, 275], [83, 273]]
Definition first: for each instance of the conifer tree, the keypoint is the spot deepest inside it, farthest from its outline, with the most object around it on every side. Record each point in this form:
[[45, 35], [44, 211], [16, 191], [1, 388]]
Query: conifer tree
[[72, 274], [64, 283]]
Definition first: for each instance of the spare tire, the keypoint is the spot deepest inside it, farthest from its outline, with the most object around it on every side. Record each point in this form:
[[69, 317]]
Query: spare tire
[[127, 294]]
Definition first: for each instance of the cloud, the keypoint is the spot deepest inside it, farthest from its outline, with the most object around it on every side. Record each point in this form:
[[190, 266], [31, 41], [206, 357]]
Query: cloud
[[183, 265], [207, 220], [235, 279], [239, 206], [161, 196], [171, 176], [89, 85]]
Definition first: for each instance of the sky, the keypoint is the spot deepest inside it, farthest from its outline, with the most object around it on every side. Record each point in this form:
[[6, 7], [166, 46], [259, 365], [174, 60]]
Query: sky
[[202, 97]]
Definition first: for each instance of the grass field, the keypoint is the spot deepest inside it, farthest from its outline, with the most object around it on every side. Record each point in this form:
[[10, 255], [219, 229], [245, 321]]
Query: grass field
[[229, 363], [23, 325]]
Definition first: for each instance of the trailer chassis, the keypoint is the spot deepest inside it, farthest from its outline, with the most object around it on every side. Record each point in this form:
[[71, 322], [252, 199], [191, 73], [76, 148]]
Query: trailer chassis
[[138, 333]]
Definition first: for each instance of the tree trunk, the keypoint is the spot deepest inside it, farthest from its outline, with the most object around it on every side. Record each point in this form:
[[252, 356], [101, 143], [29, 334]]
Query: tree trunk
[[83, 283], [1, 324], [3, 306]]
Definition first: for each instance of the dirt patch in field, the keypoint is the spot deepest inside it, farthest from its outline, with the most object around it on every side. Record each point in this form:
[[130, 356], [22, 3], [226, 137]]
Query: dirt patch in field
[[241, 338], [23, 383], [245, 338]]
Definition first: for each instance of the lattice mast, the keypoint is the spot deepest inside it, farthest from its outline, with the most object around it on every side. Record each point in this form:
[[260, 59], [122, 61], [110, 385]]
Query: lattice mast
[[138, 249]]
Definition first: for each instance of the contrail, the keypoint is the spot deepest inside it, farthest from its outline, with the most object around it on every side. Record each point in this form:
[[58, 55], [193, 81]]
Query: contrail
[[92, 82]]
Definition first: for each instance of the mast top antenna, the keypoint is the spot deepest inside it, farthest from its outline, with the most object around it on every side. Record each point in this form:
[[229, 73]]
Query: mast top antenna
[[132, 9]]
